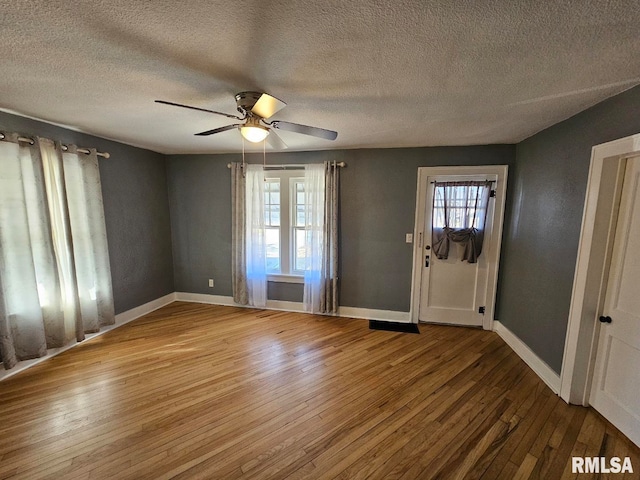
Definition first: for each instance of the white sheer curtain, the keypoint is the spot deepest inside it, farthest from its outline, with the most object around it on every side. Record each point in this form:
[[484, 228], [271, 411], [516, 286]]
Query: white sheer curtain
[[256, 266], [321, 229], [459, 215], [55, 282], [314, 237]]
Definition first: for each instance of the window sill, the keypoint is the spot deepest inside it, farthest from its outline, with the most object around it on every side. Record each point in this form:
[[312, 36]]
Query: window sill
[[285, 278]]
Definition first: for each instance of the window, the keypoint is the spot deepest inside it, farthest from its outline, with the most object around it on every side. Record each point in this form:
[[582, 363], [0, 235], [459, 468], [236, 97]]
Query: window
[[463, 206], [284, 210]]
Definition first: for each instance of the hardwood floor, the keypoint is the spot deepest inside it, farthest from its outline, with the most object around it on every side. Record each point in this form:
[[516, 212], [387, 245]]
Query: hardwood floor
[[199, 391]]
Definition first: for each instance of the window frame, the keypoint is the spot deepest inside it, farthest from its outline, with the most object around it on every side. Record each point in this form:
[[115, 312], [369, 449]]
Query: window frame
[[288, 180]]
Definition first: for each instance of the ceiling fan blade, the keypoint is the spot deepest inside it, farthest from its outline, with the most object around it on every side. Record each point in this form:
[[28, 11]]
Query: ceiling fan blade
[[218, 130], [274, 140], [267, 106], [164, 102], [305, 129]]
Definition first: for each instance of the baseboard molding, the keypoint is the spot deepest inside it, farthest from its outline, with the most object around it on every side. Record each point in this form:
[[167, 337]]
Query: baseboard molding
[[228, 301], [206, 298], [137, 312], [350, 312], [548, 376], [121, 319], [373, 314]]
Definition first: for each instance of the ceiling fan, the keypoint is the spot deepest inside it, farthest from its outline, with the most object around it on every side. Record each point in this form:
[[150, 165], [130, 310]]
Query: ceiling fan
[[256, 108]]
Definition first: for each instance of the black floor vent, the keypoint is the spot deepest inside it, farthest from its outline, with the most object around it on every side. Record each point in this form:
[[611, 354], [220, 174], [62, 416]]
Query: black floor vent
[[394, 326]]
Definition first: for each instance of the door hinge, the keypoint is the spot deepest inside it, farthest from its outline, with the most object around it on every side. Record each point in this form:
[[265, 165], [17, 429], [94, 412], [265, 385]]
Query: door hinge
[[481, 310], [492, 193]]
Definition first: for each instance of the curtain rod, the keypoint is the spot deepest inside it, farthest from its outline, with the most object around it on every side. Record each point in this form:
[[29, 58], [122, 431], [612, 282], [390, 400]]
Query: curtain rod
[[453, 181], [294, 166], [31, 141]]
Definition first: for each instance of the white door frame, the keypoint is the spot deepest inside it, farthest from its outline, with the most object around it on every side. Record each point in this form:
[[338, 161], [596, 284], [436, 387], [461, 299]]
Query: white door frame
[[597, 234], [493, 253]]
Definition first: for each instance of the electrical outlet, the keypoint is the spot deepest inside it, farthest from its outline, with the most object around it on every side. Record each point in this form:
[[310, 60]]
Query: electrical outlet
[[408, 238], [211, 282]]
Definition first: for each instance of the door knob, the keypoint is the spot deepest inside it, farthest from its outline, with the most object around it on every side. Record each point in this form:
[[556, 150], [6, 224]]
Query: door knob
[[604, 319]]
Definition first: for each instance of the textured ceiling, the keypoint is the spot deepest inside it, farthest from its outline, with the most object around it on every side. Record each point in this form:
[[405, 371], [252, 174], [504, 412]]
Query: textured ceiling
[[390, 73]]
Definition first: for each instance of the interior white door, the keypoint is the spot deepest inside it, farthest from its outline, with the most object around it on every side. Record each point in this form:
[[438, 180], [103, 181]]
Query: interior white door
[[615, 389], [452, 291]]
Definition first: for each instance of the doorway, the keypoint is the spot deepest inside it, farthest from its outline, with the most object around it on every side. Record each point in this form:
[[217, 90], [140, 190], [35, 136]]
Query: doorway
[[593, 372], [616, 377], [448, 290]]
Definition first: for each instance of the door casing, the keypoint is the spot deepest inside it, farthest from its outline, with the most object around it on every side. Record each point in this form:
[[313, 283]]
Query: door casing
[[599, 219], [493, 253]]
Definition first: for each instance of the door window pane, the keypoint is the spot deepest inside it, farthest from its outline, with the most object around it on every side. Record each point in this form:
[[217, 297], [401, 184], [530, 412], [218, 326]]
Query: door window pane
[[461, 208]]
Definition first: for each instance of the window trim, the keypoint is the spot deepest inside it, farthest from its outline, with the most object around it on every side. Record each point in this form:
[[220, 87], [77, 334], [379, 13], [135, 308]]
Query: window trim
[[282, 278], [287, 261]]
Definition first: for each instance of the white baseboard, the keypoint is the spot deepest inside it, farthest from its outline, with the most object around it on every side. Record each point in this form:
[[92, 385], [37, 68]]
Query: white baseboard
[[206, 298], [137, 312], [548, 376], [228, 301], [373, 314], [351, 312], [121, 319], [285, 306]]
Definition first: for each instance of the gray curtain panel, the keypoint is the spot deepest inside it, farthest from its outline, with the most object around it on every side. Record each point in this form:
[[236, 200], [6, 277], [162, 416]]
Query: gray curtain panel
[[330, 253], [458, 215], [238, 235]]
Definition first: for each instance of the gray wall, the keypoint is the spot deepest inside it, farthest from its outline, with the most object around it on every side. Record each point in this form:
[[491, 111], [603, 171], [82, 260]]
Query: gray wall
[[134, 188], [377, 207], [543, 220]]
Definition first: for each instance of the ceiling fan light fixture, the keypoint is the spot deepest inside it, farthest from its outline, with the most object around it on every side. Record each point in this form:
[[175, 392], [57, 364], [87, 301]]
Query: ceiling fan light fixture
[[253, 133]]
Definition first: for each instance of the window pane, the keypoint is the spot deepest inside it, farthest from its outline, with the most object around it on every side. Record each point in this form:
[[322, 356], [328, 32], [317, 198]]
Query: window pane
[[272, 202], [272, 238], [300, 249], [300, 216], [275, 215]]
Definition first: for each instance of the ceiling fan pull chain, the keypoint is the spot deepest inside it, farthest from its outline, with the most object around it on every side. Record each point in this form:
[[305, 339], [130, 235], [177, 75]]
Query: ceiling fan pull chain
[[244, 170]]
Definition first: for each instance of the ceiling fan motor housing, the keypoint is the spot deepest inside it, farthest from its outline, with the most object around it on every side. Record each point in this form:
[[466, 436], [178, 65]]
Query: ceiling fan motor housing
[[246, 101]]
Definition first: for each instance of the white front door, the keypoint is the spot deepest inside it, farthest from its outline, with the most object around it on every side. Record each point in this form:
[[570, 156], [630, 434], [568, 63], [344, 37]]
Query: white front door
[[451, 291], [616, 383]]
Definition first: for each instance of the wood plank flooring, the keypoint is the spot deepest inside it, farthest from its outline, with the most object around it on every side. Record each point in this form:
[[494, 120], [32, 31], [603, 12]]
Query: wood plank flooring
[[196, 391]]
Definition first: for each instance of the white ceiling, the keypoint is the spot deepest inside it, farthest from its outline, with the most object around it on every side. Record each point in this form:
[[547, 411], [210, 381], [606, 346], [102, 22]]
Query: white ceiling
[[383, 73]]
